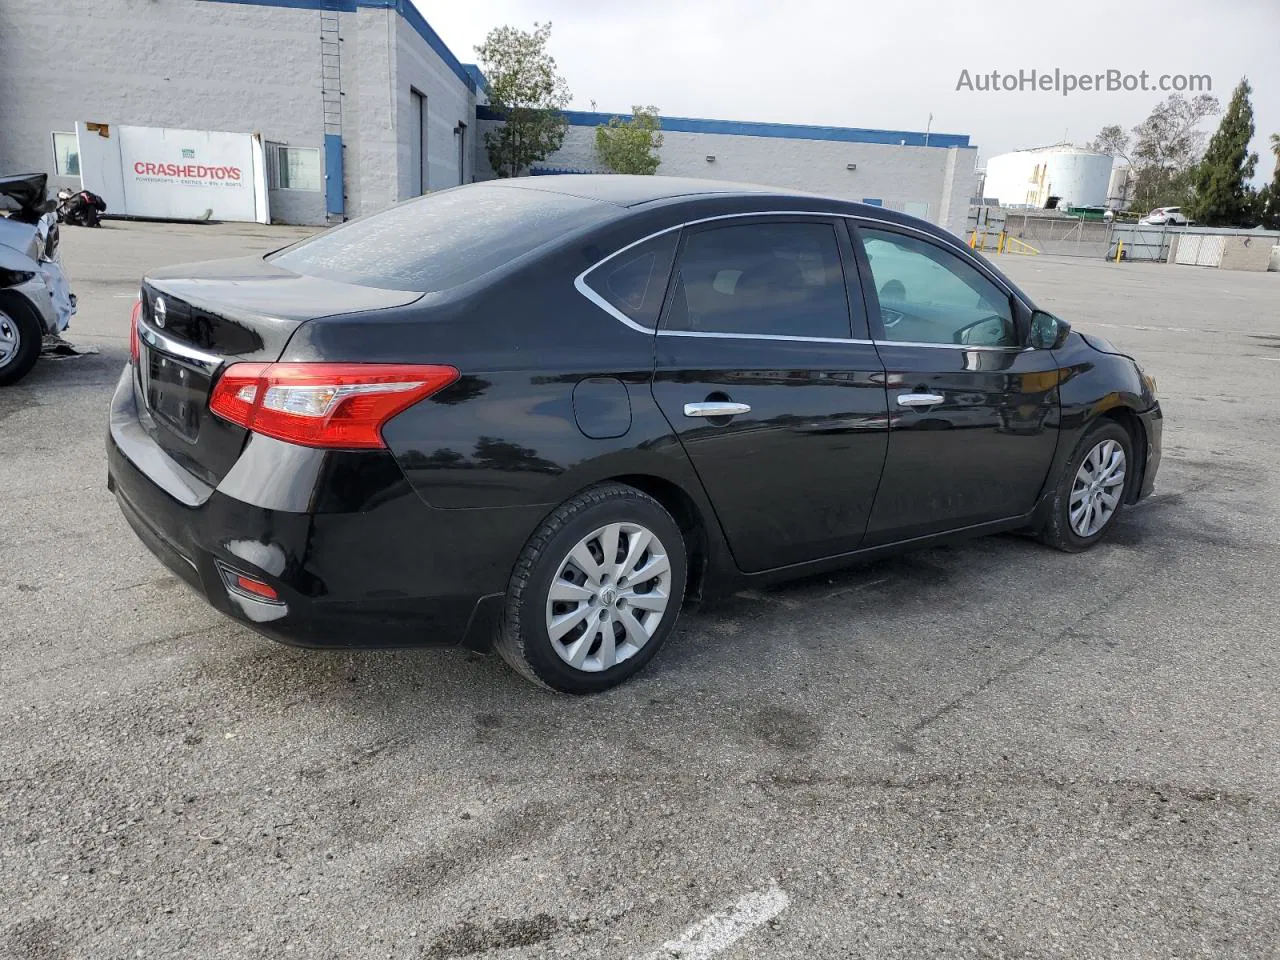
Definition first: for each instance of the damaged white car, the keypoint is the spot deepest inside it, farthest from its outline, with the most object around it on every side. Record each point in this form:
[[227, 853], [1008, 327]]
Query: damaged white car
[[35, 299]]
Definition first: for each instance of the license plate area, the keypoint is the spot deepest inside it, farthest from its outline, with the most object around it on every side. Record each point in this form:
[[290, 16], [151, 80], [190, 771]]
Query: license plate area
[[175, 391]]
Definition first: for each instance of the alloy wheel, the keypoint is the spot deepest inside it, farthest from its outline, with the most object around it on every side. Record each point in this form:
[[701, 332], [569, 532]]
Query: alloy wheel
[[1098, 487], [10, 338], [608, 596]]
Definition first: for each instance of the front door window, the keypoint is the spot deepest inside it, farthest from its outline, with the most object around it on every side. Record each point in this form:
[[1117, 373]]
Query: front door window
[[928, 295]]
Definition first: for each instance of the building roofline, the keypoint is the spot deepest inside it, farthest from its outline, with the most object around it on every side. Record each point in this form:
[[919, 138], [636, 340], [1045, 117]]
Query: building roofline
[[404, 8], [788, 131], [482, 82]]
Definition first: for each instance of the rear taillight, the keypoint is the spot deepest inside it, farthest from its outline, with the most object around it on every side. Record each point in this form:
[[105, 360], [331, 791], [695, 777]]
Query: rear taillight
[[134, 348], [340, 405]]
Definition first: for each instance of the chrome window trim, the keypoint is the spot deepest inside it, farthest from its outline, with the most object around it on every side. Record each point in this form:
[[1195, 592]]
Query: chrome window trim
[[173, 347], [701, 335], [580, 282], [950, 346]]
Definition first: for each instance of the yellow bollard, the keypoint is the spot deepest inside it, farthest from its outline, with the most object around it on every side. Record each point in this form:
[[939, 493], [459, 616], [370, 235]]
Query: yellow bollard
[[973, 239], [1119, 249], [1000, 243]]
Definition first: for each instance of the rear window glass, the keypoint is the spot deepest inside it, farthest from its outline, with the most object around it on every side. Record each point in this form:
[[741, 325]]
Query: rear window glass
[[441, 240]]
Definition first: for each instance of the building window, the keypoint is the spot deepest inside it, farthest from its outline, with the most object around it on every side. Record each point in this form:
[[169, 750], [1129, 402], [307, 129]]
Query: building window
[[420, 179], [66, 155], [293, 168], [461, 130]]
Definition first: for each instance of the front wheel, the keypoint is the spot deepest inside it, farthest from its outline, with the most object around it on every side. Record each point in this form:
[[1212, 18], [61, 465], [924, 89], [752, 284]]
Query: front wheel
[[20, 339], [1091, 492], [596, 591]]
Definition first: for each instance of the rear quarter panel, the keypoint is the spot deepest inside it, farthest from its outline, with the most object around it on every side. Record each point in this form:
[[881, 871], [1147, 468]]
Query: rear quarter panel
[[505, 434]]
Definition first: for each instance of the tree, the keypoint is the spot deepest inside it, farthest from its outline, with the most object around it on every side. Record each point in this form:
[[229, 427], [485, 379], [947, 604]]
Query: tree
[[627, 146], [1162, 150], [1223, 197], [1269, 196], [526, 89]]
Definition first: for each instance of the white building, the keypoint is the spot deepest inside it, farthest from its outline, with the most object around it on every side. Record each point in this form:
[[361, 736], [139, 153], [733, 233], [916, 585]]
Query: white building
[[1121, 187], [1077, 176], [359, 103], [926, 175]]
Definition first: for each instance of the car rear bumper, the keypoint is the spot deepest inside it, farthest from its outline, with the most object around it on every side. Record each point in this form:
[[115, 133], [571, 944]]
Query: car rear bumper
[[379, 569]]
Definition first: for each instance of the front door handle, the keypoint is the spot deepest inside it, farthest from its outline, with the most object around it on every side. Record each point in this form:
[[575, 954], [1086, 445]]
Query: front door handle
[[918, 399], [716, 408]]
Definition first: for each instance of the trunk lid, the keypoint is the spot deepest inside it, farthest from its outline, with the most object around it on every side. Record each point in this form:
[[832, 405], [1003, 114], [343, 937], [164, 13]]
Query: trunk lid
[[198, 318]]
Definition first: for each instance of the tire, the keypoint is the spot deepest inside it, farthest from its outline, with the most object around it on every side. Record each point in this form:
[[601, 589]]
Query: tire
[[20, 339], [1093, 457], [607, 627]]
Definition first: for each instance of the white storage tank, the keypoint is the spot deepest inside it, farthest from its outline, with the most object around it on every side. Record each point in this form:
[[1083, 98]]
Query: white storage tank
[[1078, 176]]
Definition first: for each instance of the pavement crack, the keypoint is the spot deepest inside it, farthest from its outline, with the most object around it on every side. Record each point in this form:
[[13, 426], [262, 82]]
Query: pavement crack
[[1017, 665]]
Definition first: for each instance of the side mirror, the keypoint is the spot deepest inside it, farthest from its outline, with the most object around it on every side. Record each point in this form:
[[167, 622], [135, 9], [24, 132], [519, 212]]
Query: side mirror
[[1047, 331]]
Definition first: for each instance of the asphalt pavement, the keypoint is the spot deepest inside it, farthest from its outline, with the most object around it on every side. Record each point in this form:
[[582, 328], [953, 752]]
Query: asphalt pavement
[[987, 750]]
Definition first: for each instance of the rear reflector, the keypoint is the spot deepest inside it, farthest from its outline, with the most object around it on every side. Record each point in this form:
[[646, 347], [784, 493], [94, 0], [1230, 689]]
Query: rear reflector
[[134, 348], [256, 587], [337, 405]]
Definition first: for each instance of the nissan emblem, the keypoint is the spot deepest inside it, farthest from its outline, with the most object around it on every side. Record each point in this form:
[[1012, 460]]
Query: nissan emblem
[[159, 311]]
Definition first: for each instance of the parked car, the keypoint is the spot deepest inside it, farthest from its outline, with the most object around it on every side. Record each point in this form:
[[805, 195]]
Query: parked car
[[1164, 216], [35, 298], [540, 414]]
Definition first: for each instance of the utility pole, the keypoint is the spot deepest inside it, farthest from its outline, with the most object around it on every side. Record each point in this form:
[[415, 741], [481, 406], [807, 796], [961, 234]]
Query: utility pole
[[927, 128]]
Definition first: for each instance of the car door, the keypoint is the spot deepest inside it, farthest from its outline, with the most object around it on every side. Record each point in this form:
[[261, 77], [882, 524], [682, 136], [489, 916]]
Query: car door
[[973, 413], [771, 384]]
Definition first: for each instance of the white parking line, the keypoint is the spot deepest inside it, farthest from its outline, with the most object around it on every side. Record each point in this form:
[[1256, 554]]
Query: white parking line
[[720, 931]]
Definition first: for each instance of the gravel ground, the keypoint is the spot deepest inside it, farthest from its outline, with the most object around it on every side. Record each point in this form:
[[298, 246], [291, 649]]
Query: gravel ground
[[990, 750]]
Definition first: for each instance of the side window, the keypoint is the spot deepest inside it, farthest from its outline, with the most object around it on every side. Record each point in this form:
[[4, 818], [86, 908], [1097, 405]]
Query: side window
[[930, 295], [769, 279], [635, 281]]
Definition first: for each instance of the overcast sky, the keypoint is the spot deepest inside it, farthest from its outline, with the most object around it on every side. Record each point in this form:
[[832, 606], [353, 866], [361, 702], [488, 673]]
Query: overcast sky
[[891, 63]]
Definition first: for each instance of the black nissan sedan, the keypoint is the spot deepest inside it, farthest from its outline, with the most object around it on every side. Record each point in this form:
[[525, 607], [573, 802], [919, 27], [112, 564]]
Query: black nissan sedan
[[537, 415]]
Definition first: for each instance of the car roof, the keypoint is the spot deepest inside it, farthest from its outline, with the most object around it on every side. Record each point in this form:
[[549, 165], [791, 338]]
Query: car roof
[[629, 191]]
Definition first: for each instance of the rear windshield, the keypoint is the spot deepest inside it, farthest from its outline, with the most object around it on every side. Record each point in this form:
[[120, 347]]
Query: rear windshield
[[443, 239]]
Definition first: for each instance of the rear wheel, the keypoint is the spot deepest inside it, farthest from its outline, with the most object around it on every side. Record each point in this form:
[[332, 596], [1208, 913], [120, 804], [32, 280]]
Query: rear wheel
[[19, 341], [595, 592], [1091, 492]]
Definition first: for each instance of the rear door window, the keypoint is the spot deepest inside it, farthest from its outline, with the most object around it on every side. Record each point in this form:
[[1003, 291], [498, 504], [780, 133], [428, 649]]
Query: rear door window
[[444, 239], [777, 278], [634, 282]]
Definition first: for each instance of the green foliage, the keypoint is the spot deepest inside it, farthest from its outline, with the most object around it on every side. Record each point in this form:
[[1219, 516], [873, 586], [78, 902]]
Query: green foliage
[[1269, 196], [627, 146], [1162, 187], [1223, 197], [1162, 150], [526, 88]]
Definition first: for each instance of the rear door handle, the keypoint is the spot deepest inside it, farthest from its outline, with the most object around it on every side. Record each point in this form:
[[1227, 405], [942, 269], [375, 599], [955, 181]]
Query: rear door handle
[[918, 399], [716, 408]]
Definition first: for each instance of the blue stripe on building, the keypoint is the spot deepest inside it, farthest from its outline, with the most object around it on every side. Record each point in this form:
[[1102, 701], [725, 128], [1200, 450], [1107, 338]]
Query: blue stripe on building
[[787, 131], [471, 76]]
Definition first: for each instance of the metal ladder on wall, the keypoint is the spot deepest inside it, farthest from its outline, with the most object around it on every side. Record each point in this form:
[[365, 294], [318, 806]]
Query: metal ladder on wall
[[331, 79]]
